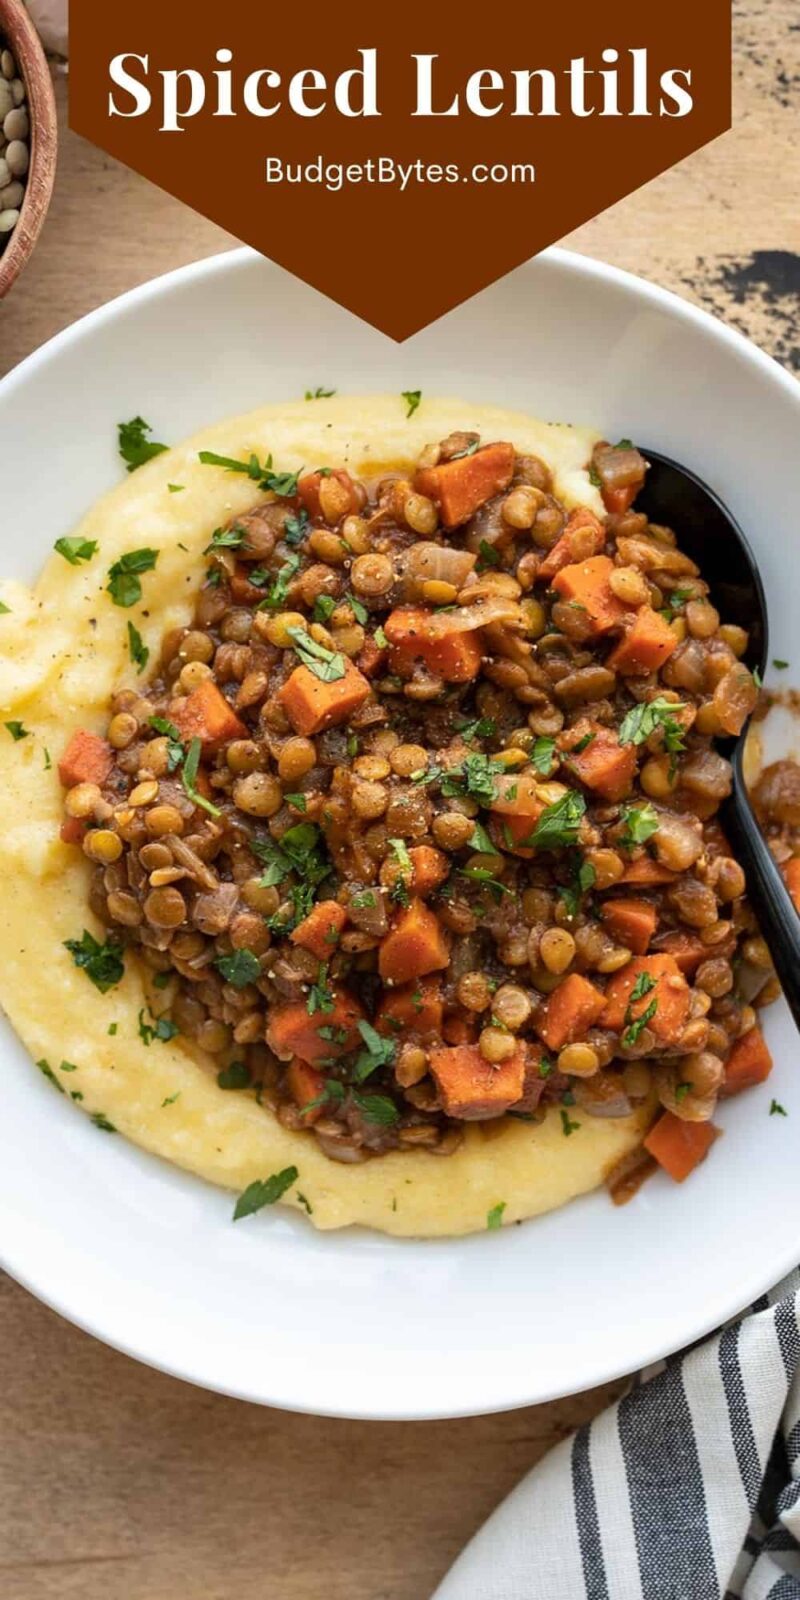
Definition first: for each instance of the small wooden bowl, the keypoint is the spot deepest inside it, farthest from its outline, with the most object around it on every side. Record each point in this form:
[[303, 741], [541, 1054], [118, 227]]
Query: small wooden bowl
[[24, 43]]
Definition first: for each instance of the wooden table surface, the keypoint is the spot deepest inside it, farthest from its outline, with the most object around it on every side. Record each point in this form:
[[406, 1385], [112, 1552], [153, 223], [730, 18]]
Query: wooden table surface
[[117, 1483]]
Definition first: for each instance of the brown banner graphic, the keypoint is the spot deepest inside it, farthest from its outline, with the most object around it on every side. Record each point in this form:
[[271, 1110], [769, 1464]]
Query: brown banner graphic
[[400, 160]]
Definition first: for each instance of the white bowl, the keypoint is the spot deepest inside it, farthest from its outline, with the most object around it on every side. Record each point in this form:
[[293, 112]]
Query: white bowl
[[354, 1324]]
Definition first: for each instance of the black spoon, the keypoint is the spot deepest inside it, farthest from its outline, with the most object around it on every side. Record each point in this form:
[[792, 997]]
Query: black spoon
[[676, 498]]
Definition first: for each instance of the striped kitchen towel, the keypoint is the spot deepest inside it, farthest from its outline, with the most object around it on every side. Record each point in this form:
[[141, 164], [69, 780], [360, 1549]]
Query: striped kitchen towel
[[687, 1489]]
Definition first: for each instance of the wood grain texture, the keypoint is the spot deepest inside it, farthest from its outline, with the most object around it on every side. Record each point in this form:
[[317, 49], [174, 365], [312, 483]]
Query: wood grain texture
[[117, 1483]]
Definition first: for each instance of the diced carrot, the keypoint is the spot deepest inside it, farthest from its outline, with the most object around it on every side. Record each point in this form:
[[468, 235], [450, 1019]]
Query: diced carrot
[[415, 946], [416, 1009], [687, 949], [631, 922], [87, 759], [470, 1088], [791, 873], [516, 795], [605, 765], [459, 487], [669, 991], [584, 536], [312, 705], [206, 715], [647, 873], [617, 501], [319, 932], [456, 658], [292, 1032], [585, 584], [648, 643], [570, 1011], [680, 1146], [460, 1029], [431, 867], [305, 1084], [370, 657], [309, 485], [749, 1062], [72, 830]]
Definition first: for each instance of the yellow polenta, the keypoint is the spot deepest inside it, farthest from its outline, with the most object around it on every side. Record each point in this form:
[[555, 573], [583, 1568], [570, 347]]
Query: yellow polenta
[[63, 652]]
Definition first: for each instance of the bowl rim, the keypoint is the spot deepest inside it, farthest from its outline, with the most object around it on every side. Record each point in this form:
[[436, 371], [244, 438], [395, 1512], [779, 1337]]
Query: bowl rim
[[31, 62], [605, 1369]]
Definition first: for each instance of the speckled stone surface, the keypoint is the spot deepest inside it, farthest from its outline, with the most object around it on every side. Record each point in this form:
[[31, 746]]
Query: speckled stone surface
[[117, 1483]]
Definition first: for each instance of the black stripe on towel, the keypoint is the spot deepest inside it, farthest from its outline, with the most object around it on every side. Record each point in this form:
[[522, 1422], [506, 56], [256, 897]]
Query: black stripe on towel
[[786, 1588], [594, 1571], [744, 1443], [788, 1336], [665, 1484]]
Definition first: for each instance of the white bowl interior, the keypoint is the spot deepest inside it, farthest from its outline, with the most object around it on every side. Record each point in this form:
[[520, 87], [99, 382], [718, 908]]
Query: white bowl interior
[[353, 1324]]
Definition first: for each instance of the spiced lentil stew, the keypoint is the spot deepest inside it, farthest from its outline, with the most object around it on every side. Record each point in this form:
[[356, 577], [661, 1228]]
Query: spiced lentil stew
[[416, 824]]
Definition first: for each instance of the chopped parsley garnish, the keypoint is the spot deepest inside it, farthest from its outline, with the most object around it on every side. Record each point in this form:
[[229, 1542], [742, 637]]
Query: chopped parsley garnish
[[236, 1076], [189, 778], [134, 447], [639, 823], [296, 527], [123, 584], [300, 851], [634, 1027], [362, 902], [681, 1091], [283, 484], [175, 749], [781, 665], [483, 876], [324, 607], [47, 759], [17, 730], [412, 399], [170, 1099], [74, 549], [279, 586], [320, 996], [332, 1094], [559, 824], [319, 394], [239, 968], [140, 655], [652, 715], [494, 1217], [264, 1192], [594, 477], [102, 963], [481, 841], [380, 639], [327, 665], [161, 1028], [583, 880], [377, 1108], [359, 610], [487, 555], [175, 488], [378, 1052], [48, 1073], [67, 1066], [468, 450], [226, 539], [545, 1067], [306, 1204], [478, 728], [567, 1127], [757, 678], [543, 755], [5, 611], [298, 801], [101, 1121], [777, 1110]]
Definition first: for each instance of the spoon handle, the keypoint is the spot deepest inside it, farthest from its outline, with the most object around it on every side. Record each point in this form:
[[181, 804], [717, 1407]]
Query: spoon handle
[[766, 890]]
